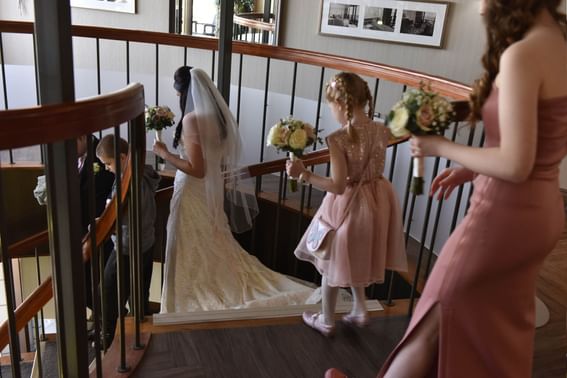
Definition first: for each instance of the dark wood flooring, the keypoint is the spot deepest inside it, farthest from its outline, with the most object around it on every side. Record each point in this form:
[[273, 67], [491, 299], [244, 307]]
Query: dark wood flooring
[[292, 350]]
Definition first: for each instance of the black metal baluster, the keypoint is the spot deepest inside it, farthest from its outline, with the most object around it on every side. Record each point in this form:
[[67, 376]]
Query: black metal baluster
[[9, 287], [5, 88], [317, 119], [264, 115], [98, 79], [239, 89], [91, 189], [437, 217], [461, 188], [122, 368], [38, 270], [213, 66], [156, 158]]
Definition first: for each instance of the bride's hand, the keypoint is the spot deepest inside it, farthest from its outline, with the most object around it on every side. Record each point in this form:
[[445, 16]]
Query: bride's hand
[[160, 149], [294, 168]]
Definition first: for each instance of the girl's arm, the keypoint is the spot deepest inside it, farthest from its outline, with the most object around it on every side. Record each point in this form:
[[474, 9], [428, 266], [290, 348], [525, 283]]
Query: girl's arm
[[519, 83], [336, 183], [194, 165]]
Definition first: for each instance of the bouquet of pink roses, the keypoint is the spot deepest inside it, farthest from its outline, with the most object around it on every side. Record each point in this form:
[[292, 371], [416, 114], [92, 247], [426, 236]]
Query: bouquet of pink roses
[[420, 112], [158, 118], [293, 136]]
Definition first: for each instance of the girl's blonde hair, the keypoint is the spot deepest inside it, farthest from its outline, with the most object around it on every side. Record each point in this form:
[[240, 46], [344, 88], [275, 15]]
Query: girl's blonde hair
[[352, 91]]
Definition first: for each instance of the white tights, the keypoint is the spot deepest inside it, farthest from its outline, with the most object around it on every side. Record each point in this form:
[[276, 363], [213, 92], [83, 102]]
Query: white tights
[[329, 301]]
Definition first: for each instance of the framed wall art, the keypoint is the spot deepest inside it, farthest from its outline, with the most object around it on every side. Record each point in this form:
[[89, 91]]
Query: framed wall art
[[124, 6], [414, 22]]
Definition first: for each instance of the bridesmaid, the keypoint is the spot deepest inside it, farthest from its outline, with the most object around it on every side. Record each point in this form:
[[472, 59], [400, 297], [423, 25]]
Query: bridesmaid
[[476, 315]]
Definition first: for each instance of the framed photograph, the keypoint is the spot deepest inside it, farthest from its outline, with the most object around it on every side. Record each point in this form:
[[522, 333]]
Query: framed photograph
[[124, 6], [414, 22]]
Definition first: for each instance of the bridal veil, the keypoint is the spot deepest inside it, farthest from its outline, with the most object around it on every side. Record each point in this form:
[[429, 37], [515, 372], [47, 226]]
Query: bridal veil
[[221, 145]]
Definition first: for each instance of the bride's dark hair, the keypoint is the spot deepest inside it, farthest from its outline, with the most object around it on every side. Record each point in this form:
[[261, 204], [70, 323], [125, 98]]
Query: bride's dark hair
[[507, 21], [182, 84]]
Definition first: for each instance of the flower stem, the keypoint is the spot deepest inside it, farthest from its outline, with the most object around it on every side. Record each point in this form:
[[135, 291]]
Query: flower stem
[[417, 181], [292, 181]]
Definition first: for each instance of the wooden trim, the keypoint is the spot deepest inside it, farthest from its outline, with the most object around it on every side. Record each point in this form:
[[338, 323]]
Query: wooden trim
[[23, 247], [254, 24], [27, 310], [51, 123], [31, 165], [445, 87]]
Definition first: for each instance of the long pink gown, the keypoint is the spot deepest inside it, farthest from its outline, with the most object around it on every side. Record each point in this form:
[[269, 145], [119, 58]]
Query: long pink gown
[[371, 238], [484, 280]]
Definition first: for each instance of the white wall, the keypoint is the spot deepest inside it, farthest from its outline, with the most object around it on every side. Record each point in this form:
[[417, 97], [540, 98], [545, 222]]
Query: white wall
[[150, 15]]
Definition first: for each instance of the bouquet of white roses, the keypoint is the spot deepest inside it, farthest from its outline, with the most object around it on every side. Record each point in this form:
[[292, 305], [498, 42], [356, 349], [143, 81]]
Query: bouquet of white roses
[[420, 112], [293, 136]]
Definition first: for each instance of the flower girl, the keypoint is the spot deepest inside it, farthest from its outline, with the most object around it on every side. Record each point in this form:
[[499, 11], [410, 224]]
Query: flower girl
[[360, 205]]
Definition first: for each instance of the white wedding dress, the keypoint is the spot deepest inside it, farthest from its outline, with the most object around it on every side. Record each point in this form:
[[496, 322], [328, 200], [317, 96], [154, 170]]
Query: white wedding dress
[[206, 268]]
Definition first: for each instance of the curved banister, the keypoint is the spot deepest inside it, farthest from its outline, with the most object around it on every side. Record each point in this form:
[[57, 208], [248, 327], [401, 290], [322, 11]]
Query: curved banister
[[51, 123], [454, 90], [28, 309], [23, 247]]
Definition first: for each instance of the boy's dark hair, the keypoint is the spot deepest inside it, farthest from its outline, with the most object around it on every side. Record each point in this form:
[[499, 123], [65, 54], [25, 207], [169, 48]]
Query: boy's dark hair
[[106, 146]]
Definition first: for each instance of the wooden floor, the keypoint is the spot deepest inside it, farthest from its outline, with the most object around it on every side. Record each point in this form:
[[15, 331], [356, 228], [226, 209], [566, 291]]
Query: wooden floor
[[275, 347], [271, 351]]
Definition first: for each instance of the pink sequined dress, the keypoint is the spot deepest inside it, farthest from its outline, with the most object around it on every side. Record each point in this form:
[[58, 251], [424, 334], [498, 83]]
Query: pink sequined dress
[[370, 239], [484, 280]]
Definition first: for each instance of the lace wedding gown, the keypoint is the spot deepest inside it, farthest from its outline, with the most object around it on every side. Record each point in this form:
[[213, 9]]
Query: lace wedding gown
[[205, 267]]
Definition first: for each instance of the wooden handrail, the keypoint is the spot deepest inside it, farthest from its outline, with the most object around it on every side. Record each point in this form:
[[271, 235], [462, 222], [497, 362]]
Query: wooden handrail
[[51, 123], [451, 89], [254, 24], [28, 309]]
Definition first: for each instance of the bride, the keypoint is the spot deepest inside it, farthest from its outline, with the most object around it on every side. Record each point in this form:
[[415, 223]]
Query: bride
[[205, 267]]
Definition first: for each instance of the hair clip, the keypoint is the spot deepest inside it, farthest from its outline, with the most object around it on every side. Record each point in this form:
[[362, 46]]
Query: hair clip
[[333, 84]]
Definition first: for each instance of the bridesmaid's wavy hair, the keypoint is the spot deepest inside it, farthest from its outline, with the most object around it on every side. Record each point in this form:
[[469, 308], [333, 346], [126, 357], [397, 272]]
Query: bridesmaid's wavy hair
[[182, 84], [350, 90], [507, 21]]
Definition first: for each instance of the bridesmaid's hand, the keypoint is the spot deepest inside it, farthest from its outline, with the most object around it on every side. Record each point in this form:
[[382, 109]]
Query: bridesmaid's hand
[[294, 168], [426, 145], [450, 178], [160, 149]]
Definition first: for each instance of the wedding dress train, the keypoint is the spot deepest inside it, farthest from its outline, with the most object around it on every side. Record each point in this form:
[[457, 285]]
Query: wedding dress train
[[206, 268]]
